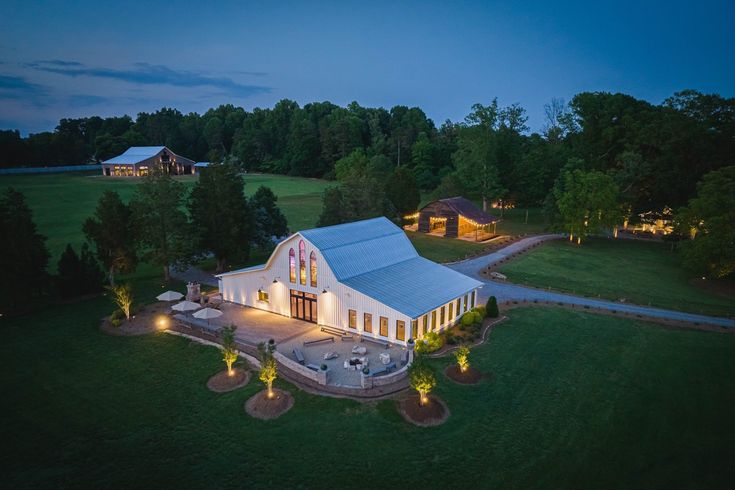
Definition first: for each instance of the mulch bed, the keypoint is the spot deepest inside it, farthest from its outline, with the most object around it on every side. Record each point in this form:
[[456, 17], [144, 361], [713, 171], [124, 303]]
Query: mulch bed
[[470, 377], [264, 408], [141, 323], [222, 382], [435, 412]]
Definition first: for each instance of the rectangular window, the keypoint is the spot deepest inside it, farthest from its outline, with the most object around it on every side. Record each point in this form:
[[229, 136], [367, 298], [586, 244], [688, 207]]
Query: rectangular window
[[414, 329], [425, 323], [473, 299], [367, 323], [383, 326], [433, 320], [400, 330], [451, 312], [441, 317], [465, 303], [262, 295], [459, 306], [352, 321]]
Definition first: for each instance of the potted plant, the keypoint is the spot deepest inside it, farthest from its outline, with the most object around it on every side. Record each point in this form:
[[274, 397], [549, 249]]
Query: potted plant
[[323, 367], [366, 371]]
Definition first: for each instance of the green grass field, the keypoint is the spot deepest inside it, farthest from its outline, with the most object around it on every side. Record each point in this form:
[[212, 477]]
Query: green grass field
[[572, 400], [61, 202], [514, 221], [641, 272], [440, 249]]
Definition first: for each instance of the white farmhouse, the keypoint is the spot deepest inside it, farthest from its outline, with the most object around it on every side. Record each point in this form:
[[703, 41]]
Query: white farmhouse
[[363, 277]]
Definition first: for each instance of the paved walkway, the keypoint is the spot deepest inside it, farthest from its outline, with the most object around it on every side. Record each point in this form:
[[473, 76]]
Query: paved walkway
[[512, 292]]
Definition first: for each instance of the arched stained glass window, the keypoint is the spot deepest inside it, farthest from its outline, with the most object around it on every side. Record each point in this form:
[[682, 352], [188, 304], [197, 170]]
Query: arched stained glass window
[[292, 265], [312, 264], [302, 263]]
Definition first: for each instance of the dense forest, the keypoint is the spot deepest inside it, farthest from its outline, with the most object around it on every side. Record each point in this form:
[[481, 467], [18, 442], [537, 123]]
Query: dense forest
[[654, 153]]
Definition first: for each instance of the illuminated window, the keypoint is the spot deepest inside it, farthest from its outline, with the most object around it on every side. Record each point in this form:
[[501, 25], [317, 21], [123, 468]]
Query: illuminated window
[[451, 311], [302, 263], [441, 317], [465, 302], [352, 319], [383, 326], [292, 265], [400, 330], [414, 328], [473, 299], [459, 306], [425, 323], [368, 323], [262, 295], [312, 265], [433, 320]]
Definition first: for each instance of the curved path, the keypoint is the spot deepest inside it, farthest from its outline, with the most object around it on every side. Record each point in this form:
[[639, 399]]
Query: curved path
[[512, 292]]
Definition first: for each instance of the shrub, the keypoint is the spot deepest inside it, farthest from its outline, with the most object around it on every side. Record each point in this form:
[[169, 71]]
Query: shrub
[[491, 308], [482, 310], [432, 341], [468, 319]]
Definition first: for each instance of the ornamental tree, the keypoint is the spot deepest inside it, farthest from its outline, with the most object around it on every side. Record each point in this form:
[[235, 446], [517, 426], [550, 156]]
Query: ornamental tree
[[122, 295], [462, 355], [268, 368], [229, 349], [421, 379]]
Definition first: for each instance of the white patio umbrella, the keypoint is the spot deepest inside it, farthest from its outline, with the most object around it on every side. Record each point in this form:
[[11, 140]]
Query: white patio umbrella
[[169, 296], [207, 314], [185, 306]]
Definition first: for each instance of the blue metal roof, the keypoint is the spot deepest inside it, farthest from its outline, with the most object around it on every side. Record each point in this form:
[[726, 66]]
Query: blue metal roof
[[376, 258], [413, 287], [135, 154], [201, 164]]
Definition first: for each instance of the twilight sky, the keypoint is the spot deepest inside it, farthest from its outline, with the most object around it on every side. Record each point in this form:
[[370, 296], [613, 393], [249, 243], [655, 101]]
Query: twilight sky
[[80, 58]]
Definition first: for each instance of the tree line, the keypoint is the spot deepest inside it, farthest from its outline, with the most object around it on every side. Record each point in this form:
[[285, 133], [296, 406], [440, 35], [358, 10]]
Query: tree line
[[161, 225], [655, 153]]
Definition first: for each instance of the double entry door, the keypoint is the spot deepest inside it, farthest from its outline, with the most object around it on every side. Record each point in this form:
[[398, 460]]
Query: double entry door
[[303, 306]]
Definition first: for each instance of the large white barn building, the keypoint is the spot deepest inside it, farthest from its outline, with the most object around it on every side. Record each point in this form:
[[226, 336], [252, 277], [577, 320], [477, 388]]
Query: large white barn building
[[137, 161], [364, 277]]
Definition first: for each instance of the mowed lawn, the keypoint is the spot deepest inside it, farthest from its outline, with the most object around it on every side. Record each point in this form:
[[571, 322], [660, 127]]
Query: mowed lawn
[[645, 273], [61, 202], [571, 400]]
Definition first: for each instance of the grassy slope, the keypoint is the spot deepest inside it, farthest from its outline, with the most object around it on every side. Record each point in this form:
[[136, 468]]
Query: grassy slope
[[642, 272], [574, 400]]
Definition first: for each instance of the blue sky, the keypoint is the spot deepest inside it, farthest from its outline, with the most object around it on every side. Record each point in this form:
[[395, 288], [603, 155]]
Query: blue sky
[[73, 59]]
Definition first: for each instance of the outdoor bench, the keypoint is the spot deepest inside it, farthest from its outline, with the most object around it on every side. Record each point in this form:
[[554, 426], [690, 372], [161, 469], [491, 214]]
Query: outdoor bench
[[317, 341], [299, 356]]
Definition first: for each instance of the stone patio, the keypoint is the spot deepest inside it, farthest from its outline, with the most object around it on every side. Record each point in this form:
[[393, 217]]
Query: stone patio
[[338, 375], [255, 326]]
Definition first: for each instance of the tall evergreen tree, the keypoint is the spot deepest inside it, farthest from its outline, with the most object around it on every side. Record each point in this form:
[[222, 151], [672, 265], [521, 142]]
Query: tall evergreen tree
[[23, 253], [222, 221], [112, 233], [160, 222], [269, 221]]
